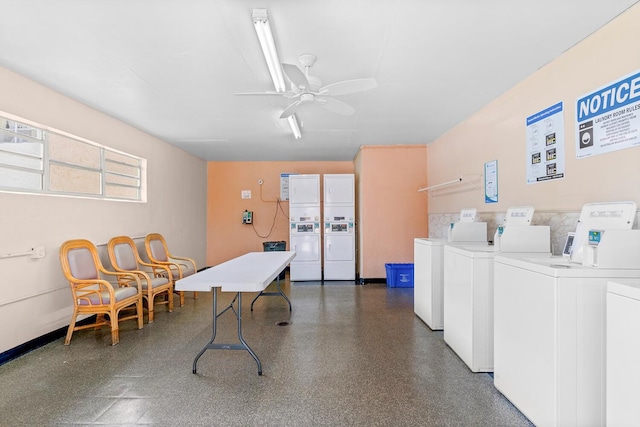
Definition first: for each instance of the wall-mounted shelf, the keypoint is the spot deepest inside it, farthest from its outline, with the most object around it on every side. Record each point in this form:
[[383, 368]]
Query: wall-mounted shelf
[[460, 180], [37, 252]]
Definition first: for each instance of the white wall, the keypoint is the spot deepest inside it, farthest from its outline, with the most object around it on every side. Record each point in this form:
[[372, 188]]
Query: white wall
[[34, 297]]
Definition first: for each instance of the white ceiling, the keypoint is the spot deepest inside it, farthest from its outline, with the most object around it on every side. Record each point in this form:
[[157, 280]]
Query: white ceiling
[[172, 67]]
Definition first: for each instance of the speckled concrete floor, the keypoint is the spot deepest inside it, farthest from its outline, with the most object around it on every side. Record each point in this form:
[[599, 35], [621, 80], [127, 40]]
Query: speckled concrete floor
[[350, 356]]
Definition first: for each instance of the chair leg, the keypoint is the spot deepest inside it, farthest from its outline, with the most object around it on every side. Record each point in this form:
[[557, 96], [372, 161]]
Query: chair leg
[[181, 293], [195, 295], [170, 297], [115, 338], [99, 321], [140, 312], [72, 325], [150, 302]]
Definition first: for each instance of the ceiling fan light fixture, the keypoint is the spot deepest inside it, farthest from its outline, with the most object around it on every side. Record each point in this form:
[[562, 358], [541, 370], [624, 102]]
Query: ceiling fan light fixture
[[268, 45], [265, 36]]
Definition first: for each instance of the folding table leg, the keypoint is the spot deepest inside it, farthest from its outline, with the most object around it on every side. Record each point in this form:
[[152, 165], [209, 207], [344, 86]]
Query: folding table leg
[[263, 293], [213, 346]]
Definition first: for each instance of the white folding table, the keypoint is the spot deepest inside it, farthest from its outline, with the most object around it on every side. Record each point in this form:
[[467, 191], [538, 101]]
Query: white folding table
[[251, 272]]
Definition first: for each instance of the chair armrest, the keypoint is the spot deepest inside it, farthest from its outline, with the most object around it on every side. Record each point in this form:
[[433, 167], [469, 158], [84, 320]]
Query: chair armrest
[[124, 277], [159, 270], [101, 283], [193, 263], [168, 265], [83, 289]]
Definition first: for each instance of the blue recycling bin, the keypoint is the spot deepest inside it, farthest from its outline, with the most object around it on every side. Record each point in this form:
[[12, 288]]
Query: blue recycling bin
[[399, 275]]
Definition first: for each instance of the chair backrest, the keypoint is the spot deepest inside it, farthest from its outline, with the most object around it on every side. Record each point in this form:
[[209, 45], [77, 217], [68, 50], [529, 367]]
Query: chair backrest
[[79, 260], [123, 253], [156, 247]]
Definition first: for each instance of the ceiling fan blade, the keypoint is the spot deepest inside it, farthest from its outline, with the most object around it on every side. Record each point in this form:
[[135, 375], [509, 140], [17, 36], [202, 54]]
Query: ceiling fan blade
[[349, 86], [296, 75], [291, 110], [336, 106]]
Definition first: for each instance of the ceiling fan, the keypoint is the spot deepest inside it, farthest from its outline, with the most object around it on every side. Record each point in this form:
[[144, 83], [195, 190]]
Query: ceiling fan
[[307, 89]]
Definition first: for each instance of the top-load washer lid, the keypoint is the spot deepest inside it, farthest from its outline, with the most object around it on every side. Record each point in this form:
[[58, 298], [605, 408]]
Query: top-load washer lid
[[519, 215], [468, 215], [601, 216]]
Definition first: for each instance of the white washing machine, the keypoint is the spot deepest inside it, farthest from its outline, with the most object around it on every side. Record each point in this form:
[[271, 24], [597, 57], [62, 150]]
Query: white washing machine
[[468, 286], [550, 319], [428, 279], [549, 338], [468, 304], [428, 266], [623, 352]]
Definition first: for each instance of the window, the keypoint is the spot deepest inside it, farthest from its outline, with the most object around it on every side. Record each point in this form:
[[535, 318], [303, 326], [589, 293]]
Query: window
[[36, 160]]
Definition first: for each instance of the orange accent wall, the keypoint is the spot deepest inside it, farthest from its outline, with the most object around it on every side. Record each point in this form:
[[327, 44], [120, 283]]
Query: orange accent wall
[[227, 237], [390, 211]]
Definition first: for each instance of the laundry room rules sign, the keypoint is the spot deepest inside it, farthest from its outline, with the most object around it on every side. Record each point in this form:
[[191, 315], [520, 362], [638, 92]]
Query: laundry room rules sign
[[545, 144], [608, 118]]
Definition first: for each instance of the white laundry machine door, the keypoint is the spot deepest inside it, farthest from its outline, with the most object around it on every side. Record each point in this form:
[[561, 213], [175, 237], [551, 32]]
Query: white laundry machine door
[[307, 263], [304, 190], [339, 190], [307, 247], [339, 256], [339, 247]]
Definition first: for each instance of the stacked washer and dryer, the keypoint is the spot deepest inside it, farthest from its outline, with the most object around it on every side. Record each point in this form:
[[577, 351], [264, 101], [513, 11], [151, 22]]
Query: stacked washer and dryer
[[305, 218], [339, 227], [304, 227]]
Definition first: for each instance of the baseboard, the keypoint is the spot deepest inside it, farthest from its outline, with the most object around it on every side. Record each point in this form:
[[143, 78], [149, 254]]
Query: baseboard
[[364, 281], [25, 348]]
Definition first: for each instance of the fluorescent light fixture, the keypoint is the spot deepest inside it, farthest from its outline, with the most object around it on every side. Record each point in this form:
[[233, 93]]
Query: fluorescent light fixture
[[261, 22], [263, 29], [294, 126]]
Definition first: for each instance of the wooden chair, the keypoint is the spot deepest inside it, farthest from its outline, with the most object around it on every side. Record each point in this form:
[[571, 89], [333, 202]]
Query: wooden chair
[[92, 294], [155, 279], [158, 253]]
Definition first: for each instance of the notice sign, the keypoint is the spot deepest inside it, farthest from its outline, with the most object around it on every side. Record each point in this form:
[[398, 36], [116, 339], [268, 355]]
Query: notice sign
[[284, 186], [491, 182], [607, 119], [545, 144]]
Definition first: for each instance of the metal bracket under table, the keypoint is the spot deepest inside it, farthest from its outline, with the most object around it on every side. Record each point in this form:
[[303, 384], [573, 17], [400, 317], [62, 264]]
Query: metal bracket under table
[[280, 293]]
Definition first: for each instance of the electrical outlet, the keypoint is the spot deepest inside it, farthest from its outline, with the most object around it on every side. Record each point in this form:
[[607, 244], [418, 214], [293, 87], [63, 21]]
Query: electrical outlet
[[38, 252]]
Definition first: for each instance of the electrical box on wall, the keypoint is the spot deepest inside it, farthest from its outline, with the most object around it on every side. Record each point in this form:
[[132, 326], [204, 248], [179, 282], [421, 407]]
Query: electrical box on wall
[[247, 217]]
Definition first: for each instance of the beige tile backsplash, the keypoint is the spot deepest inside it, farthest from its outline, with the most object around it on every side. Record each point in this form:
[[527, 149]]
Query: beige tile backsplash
[[560, 223]]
